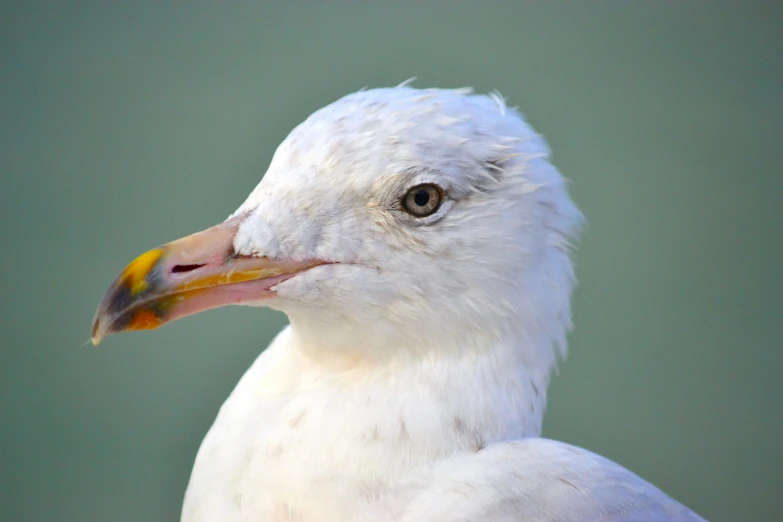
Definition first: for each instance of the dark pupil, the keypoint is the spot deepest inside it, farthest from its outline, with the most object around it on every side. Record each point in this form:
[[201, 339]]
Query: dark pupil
[[421, 198]]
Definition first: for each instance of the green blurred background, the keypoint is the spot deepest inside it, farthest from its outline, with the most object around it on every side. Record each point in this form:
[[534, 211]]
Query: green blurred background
[[125, 125]]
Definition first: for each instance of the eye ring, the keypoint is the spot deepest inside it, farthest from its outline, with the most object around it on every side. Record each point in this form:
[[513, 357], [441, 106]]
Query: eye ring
[[423, 200]]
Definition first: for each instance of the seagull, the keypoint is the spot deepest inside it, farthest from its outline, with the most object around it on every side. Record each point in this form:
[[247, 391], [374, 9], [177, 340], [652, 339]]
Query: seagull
[[420, 243]]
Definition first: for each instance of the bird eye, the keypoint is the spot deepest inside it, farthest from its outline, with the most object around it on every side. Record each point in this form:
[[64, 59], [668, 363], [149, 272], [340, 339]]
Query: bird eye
[[423, 200]]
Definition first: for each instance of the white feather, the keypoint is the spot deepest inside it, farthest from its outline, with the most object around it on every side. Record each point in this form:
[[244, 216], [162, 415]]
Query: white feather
[[411, 384]]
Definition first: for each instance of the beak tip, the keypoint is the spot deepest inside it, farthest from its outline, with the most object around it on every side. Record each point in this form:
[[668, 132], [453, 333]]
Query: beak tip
[[96, 335]]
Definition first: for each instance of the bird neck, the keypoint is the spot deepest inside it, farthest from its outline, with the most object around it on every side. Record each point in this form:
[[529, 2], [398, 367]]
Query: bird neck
[[489, 389], [311, 413]]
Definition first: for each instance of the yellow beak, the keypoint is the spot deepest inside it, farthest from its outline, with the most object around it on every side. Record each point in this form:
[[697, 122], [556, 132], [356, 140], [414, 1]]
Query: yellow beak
[[186, 276]]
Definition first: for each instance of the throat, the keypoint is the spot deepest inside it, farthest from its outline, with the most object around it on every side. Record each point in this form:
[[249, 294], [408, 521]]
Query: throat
[[457, 399], [295, 429]]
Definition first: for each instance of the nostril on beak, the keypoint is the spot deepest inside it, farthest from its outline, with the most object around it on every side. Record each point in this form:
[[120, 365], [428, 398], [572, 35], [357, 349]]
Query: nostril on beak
[[181, 269]]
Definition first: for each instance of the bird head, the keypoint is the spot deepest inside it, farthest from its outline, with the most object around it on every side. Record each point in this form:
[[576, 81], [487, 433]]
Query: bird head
[[398, 219]]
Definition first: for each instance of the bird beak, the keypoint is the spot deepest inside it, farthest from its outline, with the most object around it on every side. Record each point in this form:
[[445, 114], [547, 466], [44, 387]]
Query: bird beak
[[186, 276]]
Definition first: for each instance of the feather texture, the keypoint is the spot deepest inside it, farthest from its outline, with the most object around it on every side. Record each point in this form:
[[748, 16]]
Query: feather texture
[[411, 384]]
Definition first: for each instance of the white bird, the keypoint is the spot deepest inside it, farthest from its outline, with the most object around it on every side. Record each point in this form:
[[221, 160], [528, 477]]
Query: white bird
[[419, 242]]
